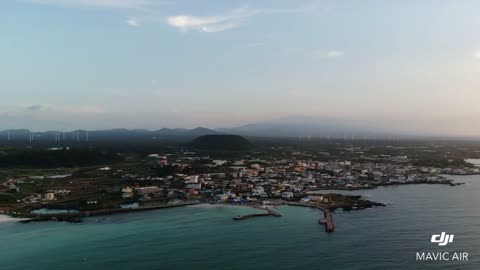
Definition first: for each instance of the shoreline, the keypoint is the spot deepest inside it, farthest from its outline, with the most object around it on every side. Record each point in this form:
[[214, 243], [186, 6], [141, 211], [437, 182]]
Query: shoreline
[[375, 186], [77, 217], [327, 210]]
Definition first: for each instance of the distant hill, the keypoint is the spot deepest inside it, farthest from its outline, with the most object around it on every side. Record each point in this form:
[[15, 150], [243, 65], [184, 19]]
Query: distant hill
[[308, 127], [199, 131], [221, 143]]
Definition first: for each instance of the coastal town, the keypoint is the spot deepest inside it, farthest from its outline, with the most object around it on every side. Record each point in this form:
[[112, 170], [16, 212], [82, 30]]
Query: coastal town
[[184, 177]]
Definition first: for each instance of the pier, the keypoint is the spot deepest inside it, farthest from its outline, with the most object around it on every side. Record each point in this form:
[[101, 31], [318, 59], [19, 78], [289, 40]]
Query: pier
[[328, 221], [270, 212]]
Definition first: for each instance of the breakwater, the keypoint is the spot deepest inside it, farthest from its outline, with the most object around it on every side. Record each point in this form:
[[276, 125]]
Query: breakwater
[[77, 217], [328, 221], [270, 212]]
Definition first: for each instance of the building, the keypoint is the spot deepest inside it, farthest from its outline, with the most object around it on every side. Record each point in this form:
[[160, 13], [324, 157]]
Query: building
[[127, 190], [287, 195], [195, 186], [219, 162], [49, 196], [305, 200], [194, 179], [148, 190]]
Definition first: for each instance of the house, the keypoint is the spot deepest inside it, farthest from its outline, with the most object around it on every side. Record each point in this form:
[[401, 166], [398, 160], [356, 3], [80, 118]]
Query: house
[[49, 196], [287, 195], [327, 200], [127, 190], [305, 200], [316, 198], [219, 162], [195, 186], [221, 197], [148, 190]]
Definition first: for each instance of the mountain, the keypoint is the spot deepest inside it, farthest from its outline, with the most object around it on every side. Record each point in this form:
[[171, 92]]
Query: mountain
[[199, 131], [170, 131], [221, 143], [308, 127]]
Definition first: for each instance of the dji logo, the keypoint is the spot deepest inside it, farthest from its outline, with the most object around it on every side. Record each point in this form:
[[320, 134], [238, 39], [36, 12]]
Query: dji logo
[[442, 239]]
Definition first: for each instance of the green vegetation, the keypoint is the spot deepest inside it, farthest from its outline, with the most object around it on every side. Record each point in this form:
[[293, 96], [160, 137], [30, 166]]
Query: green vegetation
[[221, 143], [9, 197], [442, 163], [54, 159]]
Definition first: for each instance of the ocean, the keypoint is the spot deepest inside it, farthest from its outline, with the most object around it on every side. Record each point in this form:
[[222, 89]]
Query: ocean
[[206, 237]]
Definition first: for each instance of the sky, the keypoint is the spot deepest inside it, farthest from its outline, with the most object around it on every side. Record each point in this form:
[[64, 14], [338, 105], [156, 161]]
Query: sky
[[407, 65]]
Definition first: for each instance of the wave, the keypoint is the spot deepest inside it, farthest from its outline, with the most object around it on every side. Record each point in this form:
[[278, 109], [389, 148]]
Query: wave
[[5, 219]]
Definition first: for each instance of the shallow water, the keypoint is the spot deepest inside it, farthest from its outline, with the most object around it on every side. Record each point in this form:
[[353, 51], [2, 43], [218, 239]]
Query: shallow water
[[44, 211]]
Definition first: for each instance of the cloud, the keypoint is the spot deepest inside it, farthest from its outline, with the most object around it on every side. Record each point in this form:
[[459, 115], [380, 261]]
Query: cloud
[[133, 22], [128, 4], [209, 24], [37, 107], [331, 54], [65, 109], [477, 55], [79, 109], [149, 11], [232, 19], [313, 53]]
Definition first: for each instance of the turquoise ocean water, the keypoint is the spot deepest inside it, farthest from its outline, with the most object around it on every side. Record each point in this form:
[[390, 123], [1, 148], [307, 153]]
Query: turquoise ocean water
[[206, 237]]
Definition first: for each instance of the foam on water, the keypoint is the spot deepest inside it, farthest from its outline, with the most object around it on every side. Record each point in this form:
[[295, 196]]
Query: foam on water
[[5, 219]]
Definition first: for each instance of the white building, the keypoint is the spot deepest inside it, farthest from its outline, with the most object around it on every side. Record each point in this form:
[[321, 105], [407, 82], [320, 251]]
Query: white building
[[287, 195], [49, 196]]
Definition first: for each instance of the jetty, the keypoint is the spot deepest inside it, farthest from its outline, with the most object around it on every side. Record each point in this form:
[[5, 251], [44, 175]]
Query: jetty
[[328, 218], [270, 212]]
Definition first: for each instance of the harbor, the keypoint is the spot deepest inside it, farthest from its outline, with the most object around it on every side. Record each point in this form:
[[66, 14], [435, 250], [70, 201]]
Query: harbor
[[77, 217], [327, 221]]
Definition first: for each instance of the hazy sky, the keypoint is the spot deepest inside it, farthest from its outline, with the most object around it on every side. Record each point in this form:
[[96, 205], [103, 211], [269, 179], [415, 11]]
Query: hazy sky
[[404, 65]]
